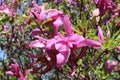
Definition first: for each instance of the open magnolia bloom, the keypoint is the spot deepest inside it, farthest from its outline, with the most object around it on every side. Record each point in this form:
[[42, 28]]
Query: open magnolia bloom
[[62, 45]]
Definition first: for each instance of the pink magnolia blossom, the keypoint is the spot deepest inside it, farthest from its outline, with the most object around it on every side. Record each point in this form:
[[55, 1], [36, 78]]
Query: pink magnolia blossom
[[58, 49], [100, 35], [105, 5], [38, 11], [42, 14], [64, 44], [7, 9], [110, 64], [17, 72]]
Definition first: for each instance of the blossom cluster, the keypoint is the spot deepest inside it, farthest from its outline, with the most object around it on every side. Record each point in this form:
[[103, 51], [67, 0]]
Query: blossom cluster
[[54, 40]]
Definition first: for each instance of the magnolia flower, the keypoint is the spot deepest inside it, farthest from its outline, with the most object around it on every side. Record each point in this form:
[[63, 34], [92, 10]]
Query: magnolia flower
[[100, 35], [38, 11], [110, 64], [42, 14], [6, 9], [58, 49], [17, 72], [105, 5], [63, 44], [53, 14]]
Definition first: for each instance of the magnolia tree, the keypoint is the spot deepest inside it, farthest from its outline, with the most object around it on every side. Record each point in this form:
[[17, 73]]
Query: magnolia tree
[[60, 40]]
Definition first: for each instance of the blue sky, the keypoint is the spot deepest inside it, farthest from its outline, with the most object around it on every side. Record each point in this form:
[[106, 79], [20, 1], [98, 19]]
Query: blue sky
[[2, 55]]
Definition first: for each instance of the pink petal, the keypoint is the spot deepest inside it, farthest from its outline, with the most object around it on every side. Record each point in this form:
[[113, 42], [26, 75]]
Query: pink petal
[[90, 43], [67, 25], [75, 39], [5, 11], [50, 44], [62, 58], [36, 43], [61, 46], [100, 35], [35, 32], [57, 23], [9, 73], [53, 13]]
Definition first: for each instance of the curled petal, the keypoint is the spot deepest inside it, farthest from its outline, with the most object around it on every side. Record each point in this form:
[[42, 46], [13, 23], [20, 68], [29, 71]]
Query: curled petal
[[57, 23], [90, 43], [36, 43], [35, 32], [67, 25], [9, 73]]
